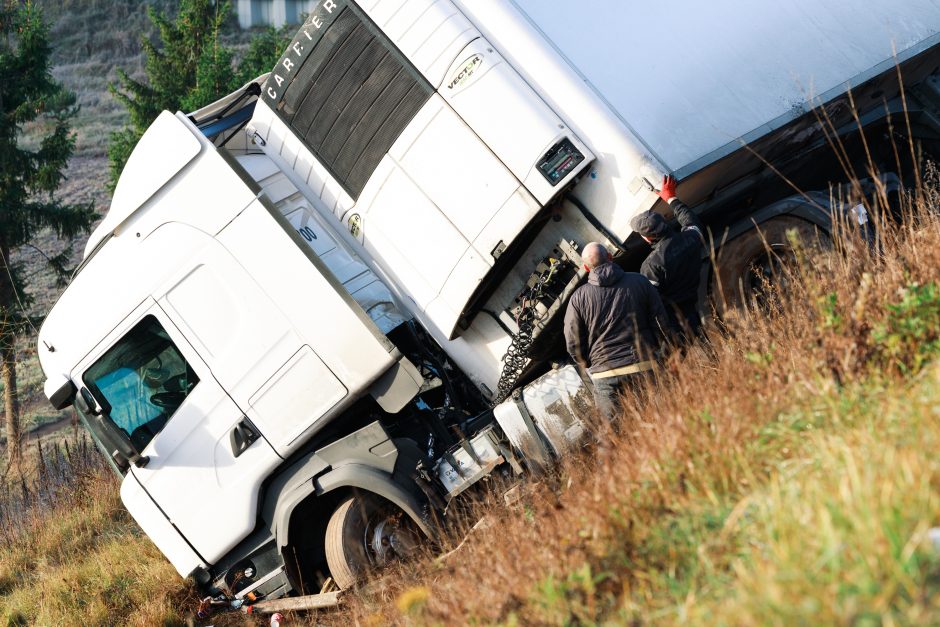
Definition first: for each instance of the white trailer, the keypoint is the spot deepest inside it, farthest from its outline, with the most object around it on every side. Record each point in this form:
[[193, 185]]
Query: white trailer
[[288, 334]]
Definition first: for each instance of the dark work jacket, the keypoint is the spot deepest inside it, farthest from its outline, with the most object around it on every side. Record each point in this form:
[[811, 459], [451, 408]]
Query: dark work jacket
[[614, 320], [675, 264]]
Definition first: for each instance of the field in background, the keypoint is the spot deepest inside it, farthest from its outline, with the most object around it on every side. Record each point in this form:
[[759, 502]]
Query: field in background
[[91, 39]]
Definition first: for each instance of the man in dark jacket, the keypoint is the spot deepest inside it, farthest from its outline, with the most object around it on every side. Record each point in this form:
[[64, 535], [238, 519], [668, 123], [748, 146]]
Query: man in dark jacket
[[675, 264], [612, 326]]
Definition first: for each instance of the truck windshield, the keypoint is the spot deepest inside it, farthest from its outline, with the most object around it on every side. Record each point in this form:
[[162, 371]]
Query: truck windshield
[[143, 379]]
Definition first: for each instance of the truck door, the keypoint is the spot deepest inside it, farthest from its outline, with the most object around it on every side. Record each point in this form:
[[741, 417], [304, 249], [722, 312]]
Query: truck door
[[206, 460], [253, 348]]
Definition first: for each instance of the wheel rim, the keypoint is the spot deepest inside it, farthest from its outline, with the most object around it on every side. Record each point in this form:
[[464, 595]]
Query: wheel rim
[[388, 537]]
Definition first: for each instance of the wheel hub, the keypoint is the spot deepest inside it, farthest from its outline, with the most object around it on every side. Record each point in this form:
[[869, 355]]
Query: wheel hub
[[390, 539]]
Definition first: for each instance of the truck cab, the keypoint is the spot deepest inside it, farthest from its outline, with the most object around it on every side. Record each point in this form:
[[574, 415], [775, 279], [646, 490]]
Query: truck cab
[[212, 396]]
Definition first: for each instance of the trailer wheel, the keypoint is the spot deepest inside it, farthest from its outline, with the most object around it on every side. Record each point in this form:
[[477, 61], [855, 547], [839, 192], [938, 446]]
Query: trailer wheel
[[748, 264], [364, 534]]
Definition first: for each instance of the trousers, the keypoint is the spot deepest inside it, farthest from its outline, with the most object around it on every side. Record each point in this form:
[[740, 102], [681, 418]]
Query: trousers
[[607, 391]]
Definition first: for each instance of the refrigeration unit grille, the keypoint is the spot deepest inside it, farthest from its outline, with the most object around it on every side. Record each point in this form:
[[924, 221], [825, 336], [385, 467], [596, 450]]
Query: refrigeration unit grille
[[349, 94]]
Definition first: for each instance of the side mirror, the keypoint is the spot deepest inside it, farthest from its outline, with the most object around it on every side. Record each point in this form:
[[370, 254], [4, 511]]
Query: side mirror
[[118, 444], [60, 391], [85, 403]]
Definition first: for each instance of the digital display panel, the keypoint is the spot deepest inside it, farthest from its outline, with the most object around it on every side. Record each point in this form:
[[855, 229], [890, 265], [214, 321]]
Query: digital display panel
[[559, 161]]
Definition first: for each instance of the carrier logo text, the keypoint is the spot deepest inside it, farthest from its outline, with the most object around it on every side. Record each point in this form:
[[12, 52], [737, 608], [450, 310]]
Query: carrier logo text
[[301, 46]]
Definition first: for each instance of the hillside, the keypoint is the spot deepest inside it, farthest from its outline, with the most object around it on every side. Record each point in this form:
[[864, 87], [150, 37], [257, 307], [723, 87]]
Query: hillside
[[93, 38]]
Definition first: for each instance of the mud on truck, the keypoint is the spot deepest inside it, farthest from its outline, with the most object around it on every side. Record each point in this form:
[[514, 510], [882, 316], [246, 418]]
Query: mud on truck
[[321, 308]]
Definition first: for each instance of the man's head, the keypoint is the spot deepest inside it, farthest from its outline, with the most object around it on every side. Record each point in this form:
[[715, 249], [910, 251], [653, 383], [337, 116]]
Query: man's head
[[650, 225], [594, 255]]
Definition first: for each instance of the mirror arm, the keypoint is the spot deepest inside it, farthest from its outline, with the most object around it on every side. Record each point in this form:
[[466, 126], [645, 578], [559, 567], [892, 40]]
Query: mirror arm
[[124, 448]]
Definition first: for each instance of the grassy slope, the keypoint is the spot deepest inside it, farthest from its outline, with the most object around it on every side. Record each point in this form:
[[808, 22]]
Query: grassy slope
[[785, 475], [80, 564], [91, 39]]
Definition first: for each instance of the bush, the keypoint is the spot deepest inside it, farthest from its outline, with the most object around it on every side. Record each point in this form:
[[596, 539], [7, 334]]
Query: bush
[[909, 335]]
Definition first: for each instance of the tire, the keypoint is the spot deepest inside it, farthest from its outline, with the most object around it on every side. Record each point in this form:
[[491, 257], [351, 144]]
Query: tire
[[364, 534], [745, 262]]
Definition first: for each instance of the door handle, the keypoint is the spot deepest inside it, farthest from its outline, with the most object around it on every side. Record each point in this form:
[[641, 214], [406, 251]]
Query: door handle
[[242, 436]]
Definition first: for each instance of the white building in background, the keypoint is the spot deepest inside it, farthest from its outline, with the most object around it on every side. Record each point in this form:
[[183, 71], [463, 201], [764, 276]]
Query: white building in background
[[272, 12]]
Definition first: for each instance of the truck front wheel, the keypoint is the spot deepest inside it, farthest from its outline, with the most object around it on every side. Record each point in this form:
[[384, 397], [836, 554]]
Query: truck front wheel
[[364, 534], [752, 262]]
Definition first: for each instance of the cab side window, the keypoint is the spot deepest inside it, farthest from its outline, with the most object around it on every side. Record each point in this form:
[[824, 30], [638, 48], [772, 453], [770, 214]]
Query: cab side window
[[141, 381]]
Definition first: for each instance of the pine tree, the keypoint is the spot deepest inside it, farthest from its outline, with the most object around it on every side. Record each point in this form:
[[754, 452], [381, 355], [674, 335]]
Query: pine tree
[[31, 170], [189, 51], [189, 69], [264, 50], [214, 78]]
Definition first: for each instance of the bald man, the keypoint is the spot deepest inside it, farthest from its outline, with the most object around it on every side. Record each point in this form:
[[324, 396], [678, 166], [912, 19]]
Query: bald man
[[613, 324]]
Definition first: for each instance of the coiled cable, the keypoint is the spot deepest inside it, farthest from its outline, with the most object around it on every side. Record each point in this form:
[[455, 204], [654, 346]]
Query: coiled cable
[[517, 355]]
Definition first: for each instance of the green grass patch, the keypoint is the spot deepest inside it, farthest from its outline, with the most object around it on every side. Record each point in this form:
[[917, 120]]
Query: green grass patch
[[835, 531], [85, 562]]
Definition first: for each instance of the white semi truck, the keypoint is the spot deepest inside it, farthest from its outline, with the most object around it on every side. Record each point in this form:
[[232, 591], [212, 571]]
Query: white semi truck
[[288, 333]]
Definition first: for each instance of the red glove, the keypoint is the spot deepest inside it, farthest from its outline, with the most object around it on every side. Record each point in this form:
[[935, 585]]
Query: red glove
[[668, 192]]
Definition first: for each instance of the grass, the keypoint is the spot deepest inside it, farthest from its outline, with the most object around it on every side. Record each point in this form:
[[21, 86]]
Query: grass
[[71, 555], [827, 524], [47, 584], [90, 40], [779, 473]]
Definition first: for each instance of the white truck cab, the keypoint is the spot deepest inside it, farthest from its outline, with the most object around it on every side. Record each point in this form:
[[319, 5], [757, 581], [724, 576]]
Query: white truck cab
[[151, 349]]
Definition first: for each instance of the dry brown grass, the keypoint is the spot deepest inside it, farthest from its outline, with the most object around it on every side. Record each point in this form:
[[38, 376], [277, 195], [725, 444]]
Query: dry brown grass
[[647, 526], [71, 555]]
